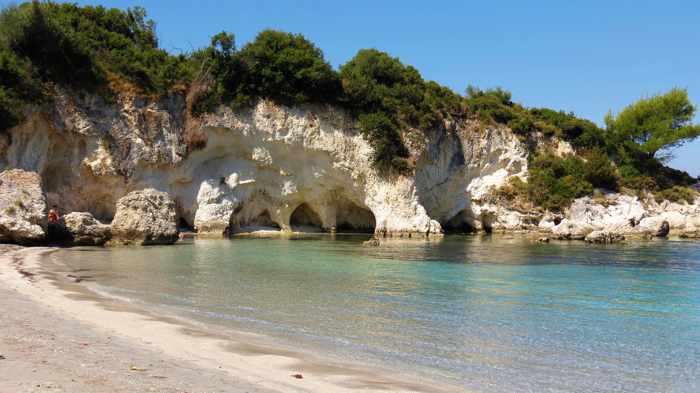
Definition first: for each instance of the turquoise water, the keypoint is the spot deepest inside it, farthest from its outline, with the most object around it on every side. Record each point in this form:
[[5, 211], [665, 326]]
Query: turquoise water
[[488, 314]]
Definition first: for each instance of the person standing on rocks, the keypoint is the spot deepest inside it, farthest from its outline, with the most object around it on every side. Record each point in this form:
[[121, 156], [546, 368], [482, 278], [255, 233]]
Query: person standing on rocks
[[53, 215]]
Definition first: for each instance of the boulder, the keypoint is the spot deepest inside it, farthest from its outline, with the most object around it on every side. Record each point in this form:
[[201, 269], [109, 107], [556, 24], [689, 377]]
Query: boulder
[[82, 229], [145, 217], [604, 237], [549, 221], [571, 230], [22, 207], [663, 230], [613, 212], [655, 226]]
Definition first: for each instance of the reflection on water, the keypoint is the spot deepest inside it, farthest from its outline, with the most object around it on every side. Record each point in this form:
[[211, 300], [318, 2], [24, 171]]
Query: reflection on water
[[490, 313]]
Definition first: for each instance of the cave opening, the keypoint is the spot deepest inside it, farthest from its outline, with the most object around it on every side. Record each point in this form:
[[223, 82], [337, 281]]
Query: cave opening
[[263, 220], [461, 223], [351, 218], [305, 219], [183, 225], [249, 221]]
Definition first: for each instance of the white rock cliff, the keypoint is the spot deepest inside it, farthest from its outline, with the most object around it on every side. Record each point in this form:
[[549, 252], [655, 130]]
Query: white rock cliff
[[288, 169]]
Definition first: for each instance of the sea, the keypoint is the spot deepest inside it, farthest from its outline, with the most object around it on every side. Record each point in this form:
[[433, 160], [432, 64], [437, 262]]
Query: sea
[[483, 313]]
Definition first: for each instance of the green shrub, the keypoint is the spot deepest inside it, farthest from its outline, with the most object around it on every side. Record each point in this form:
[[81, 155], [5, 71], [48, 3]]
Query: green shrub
[[513, 190], [287, 68], [491, 105], [676, 194], [554, 182], [57, 55], [600, 171], [375, 84], [523, 125], [582, 134], [16, 88], [85, 46], [389, 152]]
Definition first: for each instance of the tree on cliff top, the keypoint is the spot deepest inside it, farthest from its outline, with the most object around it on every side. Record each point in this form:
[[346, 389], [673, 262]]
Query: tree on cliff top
[[659, 123], [287, 68]]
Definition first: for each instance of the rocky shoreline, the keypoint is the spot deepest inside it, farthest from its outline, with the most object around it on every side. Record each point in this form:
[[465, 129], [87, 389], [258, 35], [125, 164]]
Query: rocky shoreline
[[148, 217], [130, 172]]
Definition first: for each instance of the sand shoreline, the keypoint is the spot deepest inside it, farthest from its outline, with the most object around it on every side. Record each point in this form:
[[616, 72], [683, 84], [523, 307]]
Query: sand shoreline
[[199, 360]]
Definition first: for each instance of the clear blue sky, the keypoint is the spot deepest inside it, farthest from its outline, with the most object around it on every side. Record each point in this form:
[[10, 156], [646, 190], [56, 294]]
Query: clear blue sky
[[584, 56]]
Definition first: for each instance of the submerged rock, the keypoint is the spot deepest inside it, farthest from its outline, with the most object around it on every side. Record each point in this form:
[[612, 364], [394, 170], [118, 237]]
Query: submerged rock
[[145, 217], [84, 230], [604, 237], [22, 207]]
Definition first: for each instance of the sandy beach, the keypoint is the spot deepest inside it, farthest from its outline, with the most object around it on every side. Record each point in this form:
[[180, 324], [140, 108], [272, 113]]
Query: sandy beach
[[57, 335]]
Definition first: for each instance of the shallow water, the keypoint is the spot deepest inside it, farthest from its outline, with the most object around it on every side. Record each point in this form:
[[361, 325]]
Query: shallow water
[[488, 313]]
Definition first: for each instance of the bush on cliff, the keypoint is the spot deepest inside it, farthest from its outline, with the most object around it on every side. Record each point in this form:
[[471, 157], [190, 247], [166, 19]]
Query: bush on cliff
[[676, 194], [389, 152], [554, 182], [86, 46], [582, 134], [378, 86], [16, 88], [287, 68]]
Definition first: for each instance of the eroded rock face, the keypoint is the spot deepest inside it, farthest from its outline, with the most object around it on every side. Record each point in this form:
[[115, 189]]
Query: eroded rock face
[[254, 169], [22, 207], [145, 217], [84, 230]]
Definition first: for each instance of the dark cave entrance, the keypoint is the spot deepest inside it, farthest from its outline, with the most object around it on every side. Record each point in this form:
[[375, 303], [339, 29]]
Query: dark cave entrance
[[305, 219], [461, 223], [351, 218]]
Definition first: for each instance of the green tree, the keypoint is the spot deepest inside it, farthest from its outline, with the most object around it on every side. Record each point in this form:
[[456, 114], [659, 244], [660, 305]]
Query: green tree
[[392, 99], [287, 68], [659, 123], [389, 152]]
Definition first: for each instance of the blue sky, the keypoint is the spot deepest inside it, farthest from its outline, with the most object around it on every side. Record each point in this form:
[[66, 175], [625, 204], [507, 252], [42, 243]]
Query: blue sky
[[583, 56]]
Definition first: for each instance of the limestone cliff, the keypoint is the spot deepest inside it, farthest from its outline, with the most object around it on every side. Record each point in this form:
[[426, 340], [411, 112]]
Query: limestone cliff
[[268, 167], [302, 168]]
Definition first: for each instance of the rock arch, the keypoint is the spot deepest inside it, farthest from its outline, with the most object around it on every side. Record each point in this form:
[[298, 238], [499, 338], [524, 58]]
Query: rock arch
[[460, 223], [351, 218], [255, 222], [305, 219]]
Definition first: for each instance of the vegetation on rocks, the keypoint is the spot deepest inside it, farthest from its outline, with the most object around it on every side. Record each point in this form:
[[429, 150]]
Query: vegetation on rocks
[[554, 182], [106, 51]]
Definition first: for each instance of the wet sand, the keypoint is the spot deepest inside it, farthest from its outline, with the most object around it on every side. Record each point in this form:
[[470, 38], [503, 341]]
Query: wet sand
[[57, 335]]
